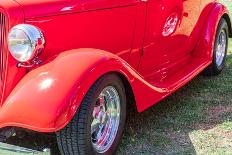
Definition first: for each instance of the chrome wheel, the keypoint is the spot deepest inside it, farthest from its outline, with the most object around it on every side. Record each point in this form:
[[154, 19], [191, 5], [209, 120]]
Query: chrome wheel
[[106, 118], [221, 47]]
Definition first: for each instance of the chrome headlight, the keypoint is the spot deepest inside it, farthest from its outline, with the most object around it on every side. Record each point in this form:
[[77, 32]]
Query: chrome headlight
[[25, 42]]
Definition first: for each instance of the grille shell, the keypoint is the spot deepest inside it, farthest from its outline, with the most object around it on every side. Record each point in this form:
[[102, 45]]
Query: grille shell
[[3, 31]]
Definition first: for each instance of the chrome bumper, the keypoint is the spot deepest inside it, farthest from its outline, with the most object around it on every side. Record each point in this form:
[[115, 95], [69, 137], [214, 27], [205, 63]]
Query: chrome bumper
[[7, 149]]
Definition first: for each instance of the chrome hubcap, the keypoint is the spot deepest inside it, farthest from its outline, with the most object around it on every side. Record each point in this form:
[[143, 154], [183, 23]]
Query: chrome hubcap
[[221, 48], [106, 117]]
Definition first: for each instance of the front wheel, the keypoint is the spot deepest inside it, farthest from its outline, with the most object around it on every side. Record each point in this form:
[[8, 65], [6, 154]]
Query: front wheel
[[220, 49], [98, 125]]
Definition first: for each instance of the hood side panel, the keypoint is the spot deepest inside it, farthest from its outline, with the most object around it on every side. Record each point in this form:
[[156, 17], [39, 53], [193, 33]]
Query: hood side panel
[[38, 8]]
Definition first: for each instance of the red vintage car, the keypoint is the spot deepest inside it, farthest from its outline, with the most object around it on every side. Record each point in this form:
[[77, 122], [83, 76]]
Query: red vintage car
[[73, 67]]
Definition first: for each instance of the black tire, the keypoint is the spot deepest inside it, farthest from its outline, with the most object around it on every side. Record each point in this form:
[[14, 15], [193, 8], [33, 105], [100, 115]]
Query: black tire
[[75, 138], [214, 68]]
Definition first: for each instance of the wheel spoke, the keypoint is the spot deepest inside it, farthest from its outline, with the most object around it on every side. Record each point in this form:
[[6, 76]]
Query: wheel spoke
[[221, 48], [106, 116]]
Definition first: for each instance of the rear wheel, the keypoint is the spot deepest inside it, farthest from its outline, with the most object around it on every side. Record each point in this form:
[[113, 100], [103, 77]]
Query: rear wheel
[[98, 125], [220, 49]]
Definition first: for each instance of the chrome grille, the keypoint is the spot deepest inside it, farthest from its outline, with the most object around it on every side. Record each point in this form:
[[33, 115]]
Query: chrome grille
[[2, 44]]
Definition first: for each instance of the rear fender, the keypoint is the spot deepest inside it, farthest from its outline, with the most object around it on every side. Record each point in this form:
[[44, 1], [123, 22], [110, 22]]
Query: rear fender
[[204, 48], [47, 97]]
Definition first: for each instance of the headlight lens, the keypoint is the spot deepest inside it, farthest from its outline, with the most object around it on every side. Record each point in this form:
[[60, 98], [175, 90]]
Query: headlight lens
[[25, 42]]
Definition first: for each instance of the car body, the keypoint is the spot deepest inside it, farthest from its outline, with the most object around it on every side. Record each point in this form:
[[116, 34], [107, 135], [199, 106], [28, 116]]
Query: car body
[[155, 47]]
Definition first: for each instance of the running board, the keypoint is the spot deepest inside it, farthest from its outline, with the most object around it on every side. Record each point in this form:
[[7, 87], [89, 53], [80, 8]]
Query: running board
[[8, 149], [183, 74], [188, 72]]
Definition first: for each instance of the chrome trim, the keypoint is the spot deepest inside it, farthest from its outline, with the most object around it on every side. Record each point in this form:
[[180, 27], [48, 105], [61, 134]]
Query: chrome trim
[[33, 63], [2, 44], [8, 149], [221, 47]]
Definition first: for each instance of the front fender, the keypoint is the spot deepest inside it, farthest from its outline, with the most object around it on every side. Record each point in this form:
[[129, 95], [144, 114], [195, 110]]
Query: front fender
[[47, 97]]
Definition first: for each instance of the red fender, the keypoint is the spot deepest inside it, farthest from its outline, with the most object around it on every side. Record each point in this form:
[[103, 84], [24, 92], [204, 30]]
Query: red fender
[[47, 97], [211, 14]]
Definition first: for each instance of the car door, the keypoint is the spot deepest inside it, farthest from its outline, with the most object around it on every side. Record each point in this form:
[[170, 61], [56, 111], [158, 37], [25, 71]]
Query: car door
[[169, 25]]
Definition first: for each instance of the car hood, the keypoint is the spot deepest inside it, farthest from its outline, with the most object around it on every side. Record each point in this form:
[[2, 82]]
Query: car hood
[[38, 8]]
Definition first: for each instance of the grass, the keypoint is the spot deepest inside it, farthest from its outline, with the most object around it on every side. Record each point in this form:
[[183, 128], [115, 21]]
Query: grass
[[195, 120]]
